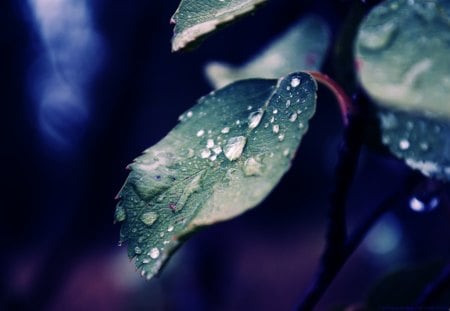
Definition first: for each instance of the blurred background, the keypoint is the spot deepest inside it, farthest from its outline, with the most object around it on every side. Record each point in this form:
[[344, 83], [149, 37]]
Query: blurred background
[[86, 86]]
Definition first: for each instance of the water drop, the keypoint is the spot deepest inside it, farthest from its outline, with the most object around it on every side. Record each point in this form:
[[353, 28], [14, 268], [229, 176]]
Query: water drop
[[170, 229], [379, 37], [275, 111], [281, 137], [145, 260], [424, 146], [137, 250], [255, 118], [403, 144], [143, 272], [293, 117], [295, 82], [234, 147], [225, 130], [209, 143], [120, 214], [249, 108], [189, 114], [252, 167], [288, 103], [213, 157], [149, 218], [217, 150], [205, 153], [154, 253], [200, 133], [272, 119], [276, 128], [388, 120], [420, 206], [286, 152]]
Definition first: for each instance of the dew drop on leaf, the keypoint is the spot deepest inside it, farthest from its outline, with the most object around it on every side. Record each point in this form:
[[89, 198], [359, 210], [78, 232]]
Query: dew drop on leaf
[[276, 128], [149, 218], [295, 82], [120, 214], [404, 144], [420, 206], [255, 118], [293, 117], [205, 153], [252, 167], [154, 253], [200, 133], [234, 147]]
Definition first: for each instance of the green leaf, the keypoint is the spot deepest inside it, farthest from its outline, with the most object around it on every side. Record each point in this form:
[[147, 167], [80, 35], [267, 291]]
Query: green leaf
[[223, 158], [402, 61], [302, 47], [422, 142], [402, 55], [196, 18]]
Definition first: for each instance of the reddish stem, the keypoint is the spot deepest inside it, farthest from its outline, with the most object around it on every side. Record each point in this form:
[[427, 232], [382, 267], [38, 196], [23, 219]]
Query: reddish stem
[[345, 103]]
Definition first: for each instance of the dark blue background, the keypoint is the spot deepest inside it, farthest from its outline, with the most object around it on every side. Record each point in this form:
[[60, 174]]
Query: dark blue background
[[119, 89]]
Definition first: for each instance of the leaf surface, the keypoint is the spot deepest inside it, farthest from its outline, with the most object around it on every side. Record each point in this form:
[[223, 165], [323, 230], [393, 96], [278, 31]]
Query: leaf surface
[[402, 55], [224, 157], [422, 142], [302, 47], [194, 19], [402, 61]]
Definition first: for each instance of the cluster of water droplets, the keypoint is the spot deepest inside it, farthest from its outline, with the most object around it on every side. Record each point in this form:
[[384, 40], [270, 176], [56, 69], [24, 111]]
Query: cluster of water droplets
[[422, 142]]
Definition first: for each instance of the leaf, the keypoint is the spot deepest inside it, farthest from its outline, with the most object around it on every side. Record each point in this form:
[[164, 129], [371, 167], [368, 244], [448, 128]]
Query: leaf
[[422, 142], [403, 64], [226, 155], [194, 19], [402, 55], [301, 47]]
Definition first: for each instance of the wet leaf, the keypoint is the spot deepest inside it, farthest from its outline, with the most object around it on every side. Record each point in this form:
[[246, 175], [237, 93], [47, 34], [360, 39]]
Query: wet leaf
[[301, 47], [402, 55], [422, 142], [402, 62], [196, 18], [223, 158]]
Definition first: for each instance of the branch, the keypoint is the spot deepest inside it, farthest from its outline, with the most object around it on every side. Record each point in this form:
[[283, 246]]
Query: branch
[[328, 271], [336, 236], [345, 103], [436, 287]]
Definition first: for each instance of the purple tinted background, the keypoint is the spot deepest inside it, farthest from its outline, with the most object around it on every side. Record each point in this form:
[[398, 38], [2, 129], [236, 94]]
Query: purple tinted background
[[86, 86]]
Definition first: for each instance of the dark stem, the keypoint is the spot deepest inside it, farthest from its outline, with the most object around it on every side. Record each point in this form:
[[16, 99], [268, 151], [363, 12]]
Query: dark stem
[[345, 103], [435, 288], [336, 235], [328, 271]]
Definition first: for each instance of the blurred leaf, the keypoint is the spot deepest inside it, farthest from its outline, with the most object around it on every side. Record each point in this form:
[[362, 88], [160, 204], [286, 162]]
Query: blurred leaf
[[301, 47], [402, 61], [402, 55], [196, 18], [422, 142], [226, 155], [403, 287]]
